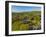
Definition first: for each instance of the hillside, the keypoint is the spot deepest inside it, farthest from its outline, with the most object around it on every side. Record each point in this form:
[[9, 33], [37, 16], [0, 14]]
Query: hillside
[[26, 20]]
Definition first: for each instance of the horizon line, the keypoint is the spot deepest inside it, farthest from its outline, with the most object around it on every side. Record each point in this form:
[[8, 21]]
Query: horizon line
[[22, 11]]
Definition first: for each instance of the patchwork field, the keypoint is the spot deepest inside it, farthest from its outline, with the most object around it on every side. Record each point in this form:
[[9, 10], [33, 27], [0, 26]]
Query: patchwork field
[[26, 21]]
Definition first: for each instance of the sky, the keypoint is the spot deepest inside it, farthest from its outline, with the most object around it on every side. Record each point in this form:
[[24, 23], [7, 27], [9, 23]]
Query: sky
[[15, 8]]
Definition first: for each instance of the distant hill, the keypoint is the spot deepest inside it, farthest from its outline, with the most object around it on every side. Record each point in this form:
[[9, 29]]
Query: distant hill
[[30, 13], [26, 11]]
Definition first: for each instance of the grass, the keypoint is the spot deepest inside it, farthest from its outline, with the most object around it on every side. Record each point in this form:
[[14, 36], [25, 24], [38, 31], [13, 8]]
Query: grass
[[26, 21]]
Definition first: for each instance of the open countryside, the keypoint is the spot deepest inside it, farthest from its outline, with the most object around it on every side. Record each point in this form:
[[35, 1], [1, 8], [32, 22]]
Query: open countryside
[[26, 20]]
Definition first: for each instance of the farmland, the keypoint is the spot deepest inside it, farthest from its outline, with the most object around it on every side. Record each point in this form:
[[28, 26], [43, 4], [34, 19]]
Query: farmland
[[26, 21]]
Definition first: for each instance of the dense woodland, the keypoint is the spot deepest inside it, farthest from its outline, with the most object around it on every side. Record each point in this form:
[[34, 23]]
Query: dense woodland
[[26, 21]]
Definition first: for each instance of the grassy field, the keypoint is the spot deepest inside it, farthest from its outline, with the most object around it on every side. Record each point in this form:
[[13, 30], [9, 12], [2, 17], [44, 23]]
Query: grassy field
[[26, 21]]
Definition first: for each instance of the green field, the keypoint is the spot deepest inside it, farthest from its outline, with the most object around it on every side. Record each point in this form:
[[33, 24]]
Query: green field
[[26, 21]]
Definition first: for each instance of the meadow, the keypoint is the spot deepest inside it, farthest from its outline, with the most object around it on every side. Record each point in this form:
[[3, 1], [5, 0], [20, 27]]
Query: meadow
[[26, 21]]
